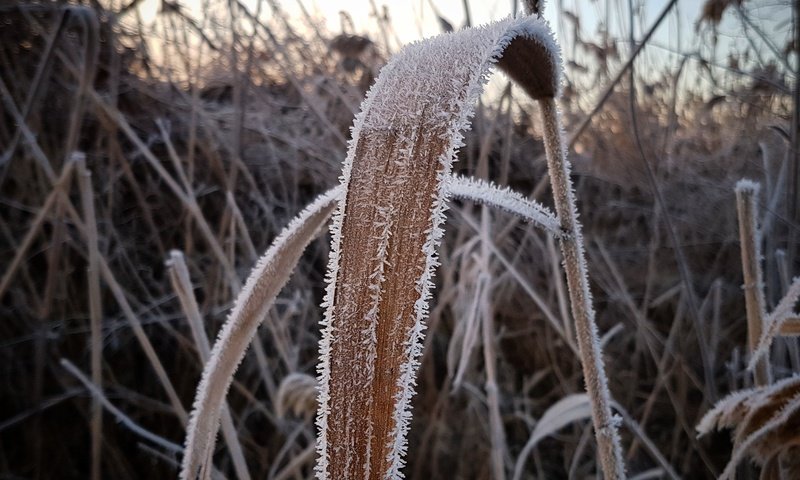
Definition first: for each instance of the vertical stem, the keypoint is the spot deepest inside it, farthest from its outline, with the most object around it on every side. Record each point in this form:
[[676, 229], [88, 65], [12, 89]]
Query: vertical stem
[[749, 237], [182, 284], [497, 432], [608, 443], [95, 311]]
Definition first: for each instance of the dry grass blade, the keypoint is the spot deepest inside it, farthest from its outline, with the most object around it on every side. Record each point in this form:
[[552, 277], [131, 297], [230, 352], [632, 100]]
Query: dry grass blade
[[577, 407], [387, 229], [504, 199], [765, 421], [62, 183], [262, 286], [571, 408], [382, 263], [95, 308], [182, 284], [297, 394], [778, 322]]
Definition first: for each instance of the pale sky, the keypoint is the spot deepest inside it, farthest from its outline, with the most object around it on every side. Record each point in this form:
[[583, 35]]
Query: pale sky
[[415, 19]]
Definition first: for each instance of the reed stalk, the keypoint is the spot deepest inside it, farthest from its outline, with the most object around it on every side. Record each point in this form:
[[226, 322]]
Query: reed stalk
[[750, 239], [572, 249]]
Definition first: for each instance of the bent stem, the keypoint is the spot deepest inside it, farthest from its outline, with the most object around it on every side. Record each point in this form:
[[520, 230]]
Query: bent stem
[[182, 284], [605, 425], [267, 279]]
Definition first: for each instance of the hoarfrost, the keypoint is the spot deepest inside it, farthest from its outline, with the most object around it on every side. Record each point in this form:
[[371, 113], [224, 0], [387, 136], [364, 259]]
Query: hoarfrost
[[399, 160], [265, 281], [505, 199]]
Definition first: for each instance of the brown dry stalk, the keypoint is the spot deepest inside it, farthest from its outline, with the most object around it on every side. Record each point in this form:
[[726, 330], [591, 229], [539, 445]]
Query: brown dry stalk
[[62, 183], [791, 328], [605, 425], [387, 229], [95, 309], [182, 284], [750, 239]]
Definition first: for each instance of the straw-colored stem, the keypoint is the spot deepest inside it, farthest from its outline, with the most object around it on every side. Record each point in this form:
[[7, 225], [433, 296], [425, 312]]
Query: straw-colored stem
[[496, 430], [608, 443], [181, 283], [791, 327], [751, 268], [95, 311], [62, 183]]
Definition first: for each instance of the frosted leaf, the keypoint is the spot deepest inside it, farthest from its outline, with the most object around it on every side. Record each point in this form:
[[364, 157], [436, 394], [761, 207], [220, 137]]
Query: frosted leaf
[[387, 229], [572, 408], [265, 281], [775, 320], [505, 199], [569, 409], [764, 419]]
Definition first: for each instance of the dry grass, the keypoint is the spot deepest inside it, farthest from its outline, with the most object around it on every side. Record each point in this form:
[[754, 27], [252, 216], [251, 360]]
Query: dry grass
[[216, 154]]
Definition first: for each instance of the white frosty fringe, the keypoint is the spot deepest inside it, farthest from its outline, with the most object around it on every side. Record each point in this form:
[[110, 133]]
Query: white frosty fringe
[[324, 366], [460, 67], [746, 185], [775, 320], [265, 281], [743, 447], [738, 408], [720, 416], [504, 198]]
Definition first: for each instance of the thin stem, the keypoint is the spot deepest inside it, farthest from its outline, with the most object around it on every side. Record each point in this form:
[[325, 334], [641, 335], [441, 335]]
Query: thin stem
[[182, 284], [572, 249], [95, 311]]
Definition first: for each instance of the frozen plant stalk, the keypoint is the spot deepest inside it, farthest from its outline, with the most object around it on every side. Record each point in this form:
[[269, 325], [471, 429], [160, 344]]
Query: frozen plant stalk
[[265, 281], [387, 228], [750, 239], [385, 232], [605, 424]]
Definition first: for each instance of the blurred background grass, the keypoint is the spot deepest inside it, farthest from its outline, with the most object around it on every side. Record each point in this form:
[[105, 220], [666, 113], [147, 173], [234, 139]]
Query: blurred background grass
[[207, 125]]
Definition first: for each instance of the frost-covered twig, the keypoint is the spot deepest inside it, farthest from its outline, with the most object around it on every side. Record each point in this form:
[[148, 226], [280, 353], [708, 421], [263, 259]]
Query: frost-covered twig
[[750, 239], [117, 413], [266, 279], [608, 442], [182, 284], [505, 199]]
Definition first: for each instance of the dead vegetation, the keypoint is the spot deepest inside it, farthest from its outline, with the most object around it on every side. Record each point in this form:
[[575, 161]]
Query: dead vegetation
[[214, 147]]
